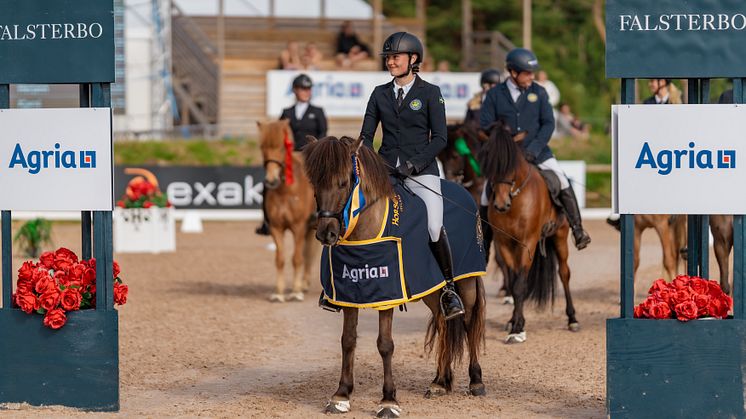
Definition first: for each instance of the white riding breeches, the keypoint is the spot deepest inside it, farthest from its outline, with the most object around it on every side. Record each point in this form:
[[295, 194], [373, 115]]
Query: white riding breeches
[[432, 198], [550, 164]]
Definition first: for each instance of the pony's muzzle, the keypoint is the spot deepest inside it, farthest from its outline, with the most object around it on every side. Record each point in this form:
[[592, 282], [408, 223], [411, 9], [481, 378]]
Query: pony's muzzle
[[327, 236], [502, 208], [272, 183]]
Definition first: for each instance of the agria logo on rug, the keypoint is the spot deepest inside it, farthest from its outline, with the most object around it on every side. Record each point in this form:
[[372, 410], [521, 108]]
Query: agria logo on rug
[[665, 160], [36, 160]]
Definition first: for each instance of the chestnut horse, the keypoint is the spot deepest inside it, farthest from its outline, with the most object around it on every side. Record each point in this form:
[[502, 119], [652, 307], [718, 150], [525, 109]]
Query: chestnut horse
[[671, 231], [290, 206], [329, 167], [528, 230], [722, 233]]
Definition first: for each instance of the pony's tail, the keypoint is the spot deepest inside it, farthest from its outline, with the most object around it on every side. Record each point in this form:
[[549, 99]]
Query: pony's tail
[[542, 276], [450, 336]]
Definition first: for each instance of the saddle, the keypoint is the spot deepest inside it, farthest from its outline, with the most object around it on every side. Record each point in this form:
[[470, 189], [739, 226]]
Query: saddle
[[553, 185]]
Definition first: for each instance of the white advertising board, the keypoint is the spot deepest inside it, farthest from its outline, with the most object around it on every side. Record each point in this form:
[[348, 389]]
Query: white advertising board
[[678, 159], [56, 159], [346, 93]]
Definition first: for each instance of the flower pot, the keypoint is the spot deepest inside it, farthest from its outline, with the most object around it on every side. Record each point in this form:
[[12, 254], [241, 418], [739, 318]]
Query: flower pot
[[144, 230], [673, 369], [76, 366]]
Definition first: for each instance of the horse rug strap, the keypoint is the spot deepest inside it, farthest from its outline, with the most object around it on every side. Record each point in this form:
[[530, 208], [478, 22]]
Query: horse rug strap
[[554, 186], [397, 266]]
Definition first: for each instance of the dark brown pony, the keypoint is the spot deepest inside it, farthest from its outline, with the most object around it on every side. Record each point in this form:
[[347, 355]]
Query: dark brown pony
[[529, 232], [329, 167], [457, 167], [290, 206], [456, 162]]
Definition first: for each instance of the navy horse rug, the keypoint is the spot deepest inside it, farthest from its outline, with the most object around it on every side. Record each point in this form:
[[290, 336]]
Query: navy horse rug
[[397, 266]]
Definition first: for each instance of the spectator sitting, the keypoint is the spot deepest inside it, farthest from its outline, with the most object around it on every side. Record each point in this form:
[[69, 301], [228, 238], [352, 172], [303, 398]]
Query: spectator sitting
[[428, 65], [290, 57], [570, 126], [444, 66], [349, 48], [311, 58], [550, 87]]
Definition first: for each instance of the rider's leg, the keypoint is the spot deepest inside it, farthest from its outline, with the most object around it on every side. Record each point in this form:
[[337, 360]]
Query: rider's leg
[[570, 204], [486, 227], [263, 228], [427, 187]]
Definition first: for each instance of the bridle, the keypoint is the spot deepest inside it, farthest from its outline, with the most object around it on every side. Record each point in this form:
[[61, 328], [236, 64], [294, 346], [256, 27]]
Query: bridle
[[267, 162], [513, 191]]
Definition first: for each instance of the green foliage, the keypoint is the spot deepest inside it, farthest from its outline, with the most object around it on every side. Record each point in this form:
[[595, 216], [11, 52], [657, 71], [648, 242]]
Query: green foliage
[[228, 152], [32, 235]]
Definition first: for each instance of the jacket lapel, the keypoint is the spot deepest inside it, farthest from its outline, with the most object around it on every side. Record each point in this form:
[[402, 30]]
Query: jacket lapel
[[508, 97]]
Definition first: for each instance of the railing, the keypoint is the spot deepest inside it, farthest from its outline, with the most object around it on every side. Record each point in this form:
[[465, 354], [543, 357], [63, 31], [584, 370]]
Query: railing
[[488, 51]]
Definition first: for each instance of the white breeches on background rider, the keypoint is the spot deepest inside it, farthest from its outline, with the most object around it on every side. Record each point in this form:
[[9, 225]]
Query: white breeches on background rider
[[549, 164]]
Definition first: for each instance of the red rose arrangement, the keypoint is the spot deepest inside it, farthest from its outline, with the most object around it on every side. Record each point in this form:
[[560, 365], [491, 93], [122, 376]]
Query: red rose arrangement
[[142, 193], [685, 298], [59, 283]]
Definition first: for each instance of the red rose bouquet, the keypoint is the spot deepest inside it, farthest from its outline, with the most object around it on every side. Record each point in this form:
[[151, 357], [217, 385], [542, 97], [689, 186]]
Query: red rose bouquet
[[59, 283], [685, 298], [142, 193]]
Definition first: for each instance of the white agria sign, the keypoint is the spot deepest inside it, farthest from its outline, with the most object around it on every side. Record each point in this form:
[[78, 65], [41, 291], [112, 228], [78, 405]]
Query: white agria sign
[[55, 159], [679, 159]]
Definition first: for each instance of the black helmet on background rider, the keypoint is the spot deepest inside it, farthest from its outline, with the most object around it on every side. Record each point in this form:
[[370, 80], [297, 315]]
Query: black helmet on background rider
[[407, 43], [490, 76], [521, 59], [302, 82]]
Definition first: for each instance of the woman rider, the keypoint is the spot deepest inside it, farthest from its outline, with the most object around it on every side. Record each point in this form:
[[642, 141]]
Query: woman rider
[[413, 118]]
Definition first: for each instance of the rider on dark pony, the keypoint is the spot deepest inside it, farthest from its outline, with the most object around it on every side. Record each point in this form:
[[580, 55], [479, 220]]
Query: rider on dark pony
[[413, 119], [524, 106]]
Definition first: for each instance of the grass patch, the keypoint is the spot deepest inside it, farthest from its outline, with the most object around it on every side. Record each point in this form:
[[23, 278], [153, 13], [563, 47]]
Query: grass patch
[[197, 152]]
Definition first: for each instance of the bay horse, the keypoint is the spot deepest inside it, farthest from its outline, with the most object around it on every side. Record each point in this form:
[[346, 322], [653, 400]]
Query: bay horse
[[329, 167], [528, 230], [290, 206]]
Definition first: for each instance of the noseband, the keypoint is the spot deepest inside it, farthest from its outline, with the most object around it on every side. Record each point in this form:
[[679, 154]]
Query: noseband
[[513, 191], [282, 168]]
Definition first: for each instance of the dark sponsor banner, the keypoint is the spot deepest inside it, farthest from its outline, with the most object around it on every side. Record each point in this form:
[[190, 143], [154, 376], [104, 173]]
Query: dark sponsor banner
[[216, 187], [675, 39], [56, 41]]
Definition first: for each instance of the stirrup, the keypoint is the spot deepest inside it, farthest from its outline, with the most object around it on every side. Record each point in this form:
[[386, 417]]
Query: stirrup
[[454, 294], [326, 305]]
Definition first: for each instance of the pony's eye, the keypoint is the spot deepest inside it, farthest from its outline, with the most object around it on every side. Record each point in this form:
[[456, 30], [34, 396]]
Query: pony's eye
[[343, 183]]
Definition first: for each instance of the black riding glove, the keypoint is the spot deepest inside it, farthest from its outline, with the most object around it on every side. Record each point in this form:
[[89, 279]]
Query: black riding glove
[[530, 157], [405, 170]]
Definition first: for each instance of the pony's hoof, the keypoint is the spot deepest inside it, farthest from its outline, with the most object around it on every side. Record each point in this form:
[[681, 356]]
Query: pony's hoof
[[516, 338], [477, 390], [508, 300], [574, 327], [388, 411], [435, 391], [277, 298], [337, 406], [295, 296]]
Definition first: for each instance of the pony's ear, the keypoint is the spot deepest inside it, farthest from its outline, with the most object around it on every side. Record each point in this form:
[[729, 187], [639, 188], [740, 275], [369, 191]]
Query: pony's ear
[[260, 125], [358, 143], [311, 139]]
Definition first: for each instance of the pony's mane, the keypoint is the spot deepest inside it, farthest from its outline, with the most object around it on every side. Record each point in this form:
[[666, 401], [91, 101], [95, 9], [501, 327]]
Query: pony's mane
[[500, 155], [329, 161], [273, 134]]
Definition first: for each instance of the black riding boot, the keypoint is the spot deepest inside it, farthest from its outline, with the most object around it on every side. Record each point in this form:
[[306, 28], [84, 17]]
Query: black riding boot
[[582, 239], [450, 302], [486, 232], [263, 229]]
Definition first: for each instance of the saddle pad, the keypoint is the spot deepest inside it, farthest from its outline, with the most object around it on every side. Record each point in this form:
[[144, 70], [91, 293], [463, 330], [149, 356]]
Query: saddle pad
[[397, 266]]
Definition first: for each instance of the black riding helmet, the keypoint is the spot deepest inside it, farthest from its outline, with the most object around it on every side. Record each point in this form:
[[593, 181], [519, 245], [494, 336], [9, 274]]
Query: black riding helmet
[[522, 59], [404, 42], [490, 76], [302, 81]]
